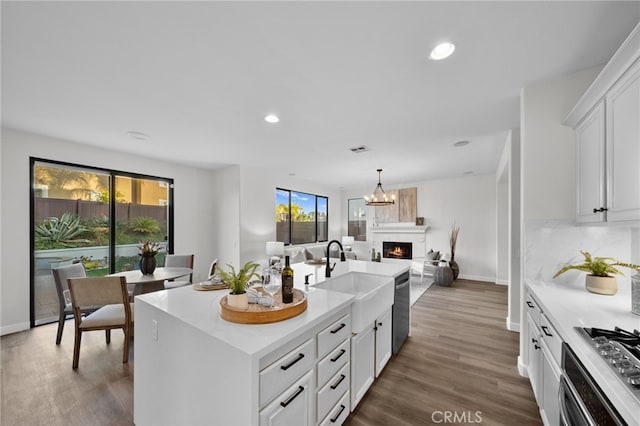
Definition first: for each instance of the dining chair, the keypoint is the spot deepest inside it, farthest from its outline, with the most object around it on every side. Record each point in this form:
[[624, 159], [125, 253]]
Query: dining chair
[[65, 309], [178, 261], [116, 311]]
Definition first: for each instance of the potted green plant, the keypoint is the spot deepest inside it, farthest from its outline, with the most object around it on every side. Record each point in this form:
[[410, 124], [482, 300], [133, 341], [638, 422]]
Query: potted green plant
[[238, 283], [599, 279]]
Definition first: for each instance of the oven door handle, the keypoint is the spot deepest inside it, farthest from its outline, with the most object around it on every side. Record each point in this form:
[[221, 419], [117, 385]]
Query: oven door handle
[[566, 388]]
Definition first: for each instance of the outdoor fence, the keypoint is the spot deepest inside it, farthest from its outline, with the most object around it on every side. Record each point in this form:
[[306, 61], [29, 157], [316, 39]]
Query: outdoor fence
[[55, 207]]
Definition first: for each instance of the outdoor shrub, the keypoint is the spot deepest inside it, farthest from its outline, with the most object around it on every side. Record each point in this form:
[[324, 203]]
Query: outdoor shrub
[[60, 232], [145, 225]]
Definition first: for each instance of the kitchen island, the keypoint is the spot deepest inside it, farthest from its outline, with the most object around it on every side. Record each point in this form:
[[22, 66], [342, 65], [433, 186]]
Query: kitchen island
[[193, 367], [567, 308]]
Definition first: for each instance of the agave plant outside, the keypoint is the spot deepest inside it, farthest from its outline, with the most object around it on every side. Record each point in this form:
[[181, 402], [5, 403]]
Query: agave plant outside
[[598, 266], [61, 232]]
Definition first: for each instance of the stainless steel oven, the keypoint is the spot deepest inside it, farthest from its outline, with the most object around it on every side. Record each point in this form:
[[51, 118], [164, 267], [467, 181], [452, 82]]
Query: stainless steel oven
[[582, 402]]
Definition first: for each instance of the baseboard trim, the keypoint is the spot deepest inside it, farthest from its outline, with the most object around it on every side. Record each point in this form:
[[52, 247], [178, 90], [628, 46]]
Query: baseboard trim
[[522, 369], [14, 328], [512, 326], [502, 282], [477, 278]]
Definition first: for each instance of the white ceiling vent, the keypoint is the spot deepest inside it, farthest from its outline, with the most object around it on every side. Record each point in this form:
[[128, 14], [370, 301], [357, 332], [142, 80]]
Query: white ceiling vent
[[359, 149]]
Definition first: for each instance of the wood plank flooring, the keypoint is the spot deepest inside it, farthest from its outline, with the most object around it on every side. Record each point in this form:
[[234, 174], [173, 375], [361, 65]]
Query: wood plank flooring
[[458, 367], [460, 359]]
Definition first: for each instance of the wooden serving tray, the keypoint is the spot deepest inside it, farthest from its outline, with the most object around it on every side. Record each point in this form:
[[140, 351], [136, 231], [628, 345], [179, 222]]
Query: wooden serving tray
[[258, 314]]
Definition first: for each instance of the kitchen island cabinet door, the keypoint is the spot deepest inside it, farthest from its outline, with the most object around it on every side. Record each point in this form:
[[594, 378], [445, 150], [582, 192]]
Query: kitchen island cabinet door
[[363, 349], [293, 407], [383, 341], [623, 148]]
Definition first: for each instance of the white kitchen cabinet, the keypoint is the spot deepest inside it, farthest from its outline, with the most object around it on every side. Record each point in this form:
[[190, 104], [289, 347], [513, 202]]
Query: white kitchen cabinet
[[623, 147], [606, 120], [544, 352], [383, 341], [535, 358], [363, 349], [370, 352], [590, 167], [294, 406]]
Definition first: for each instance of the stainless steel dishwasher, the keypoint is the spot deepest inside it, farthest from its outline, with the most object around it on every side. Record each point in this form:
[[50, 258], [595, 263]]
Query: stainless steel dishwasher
[[401, 311]]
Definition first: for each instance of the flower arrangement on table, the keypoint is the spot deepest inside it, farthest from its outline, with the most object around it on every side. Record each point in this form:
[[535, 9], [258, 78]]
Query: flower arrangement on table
[[149, 248]]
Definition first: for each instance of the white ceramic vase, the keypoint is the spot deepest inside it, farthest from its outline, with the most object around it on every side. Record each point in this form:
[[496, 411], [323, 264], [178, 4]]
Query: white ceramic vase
[[238, 301], [601, 285]]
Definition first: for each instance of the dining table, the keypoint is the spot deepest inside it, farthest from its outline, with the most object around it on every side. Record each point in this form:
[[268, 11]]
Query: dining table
[[147, 283]]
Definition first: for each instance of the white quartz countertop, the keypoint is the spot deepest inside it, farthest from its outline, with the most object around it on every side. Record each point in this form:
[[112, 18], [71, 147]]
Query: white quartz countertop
[[568, 306], [201, 309]]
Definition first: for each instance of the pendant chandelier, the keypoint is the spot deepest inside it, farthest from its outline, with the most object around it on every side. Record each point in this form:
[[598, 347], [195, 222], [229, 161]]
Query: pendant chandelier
[[379, 197]]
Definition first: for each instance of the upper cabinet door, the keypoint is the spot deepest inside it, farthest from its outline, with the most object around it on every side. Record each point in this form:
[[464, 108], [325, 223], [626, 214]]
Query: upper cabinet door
[[623, 147], [590, 158]]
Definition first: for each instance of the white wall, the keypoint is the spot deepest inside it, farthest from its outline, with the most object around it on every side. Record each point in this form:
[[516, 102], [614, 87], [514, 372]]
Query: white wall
[[257, 208], [471, 202], [225, 215], [191, 200]]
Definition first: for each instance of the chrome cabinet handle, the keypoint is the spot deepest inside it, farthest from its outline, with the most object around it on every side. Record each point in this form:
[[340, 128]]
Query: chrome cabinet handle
[[286, 367], [292, 397]]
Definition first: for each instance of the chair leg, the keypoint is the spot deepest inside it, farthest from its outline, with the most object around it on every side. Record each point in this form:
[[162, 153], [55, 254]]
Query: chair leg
[[127, 338], [76, 348], [61, 321], [107, 334]]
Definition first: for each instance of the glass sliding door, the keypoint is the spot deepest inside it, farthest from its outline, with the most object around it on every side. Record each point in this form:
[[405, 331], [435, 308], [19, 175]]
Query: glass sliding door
[[141, 214], [71, 224], [92, 216]]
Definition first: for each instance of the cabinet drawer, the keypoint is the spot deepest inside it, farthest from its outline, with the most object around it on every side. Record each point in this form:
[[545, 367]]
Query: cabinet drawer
[[333, 362], [533, 310], [339, 413], [551, 338], [333, 335], [286, 370], [294, 406], [329, 395]]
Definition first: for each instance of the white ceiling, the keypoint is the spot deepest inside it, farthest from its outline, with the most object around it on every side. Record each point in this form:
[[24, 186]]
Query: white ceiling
[[199, 77]]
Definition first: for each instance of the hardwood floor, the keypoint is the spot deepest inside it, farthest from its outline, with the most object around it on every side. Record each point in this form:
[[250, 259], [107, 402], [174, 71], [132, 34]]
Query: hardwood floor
[[460, 360], [458, 367]]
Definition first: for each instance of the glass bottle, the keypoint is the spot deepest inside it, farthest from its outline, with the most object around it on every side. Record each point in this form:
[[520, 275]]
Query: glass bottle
[[287, 282]]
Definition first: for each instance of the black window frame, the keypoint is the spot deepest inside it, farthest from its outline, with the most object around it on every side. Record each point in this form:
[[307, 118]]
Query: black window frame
[[317, 224], [33, 161]]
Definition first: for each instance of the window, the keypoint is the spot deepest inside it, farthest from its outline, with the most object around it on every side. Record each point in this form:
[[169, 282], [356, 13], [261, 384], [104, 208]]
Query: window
[[357, 219], [301, 217], [94, 216]]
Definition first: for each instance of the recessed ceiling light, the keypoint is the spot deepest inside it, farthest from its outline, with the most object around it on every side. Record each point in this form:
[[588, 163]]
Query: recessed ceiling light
[[271, 118], [138, 135], [441, 51], [461, 143]]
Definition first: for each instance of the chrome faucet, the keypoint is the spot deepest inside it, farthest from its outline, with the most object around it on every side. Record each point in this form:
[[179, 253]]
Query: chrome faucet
[[328, 269]]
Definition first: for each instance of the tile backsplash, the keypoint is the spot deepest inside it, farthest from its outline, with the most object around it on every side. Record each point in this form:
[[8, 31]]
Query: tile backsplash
[[549, 245]]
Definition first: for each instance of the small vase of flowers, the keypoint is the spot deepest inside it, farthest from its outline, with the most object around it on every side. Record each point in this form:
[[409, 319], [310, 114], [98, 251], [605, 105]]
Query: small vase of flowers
[[148, 251]]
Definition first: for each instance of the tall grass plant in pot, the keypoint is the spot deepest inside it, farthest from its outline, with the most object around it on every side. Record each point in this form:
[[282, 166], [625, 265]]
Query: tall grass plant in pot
[[238, 283]]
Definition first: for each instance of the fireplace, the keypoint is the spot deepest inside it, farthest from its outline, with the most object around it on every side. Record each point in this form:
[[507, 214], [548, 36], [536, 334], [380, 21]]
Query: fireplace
[[397, 250]]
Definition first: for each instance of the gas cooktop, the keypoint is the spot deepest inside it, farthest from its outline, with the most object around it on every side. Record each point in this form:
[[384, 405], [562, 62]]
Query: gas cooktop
[[621, 350]]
